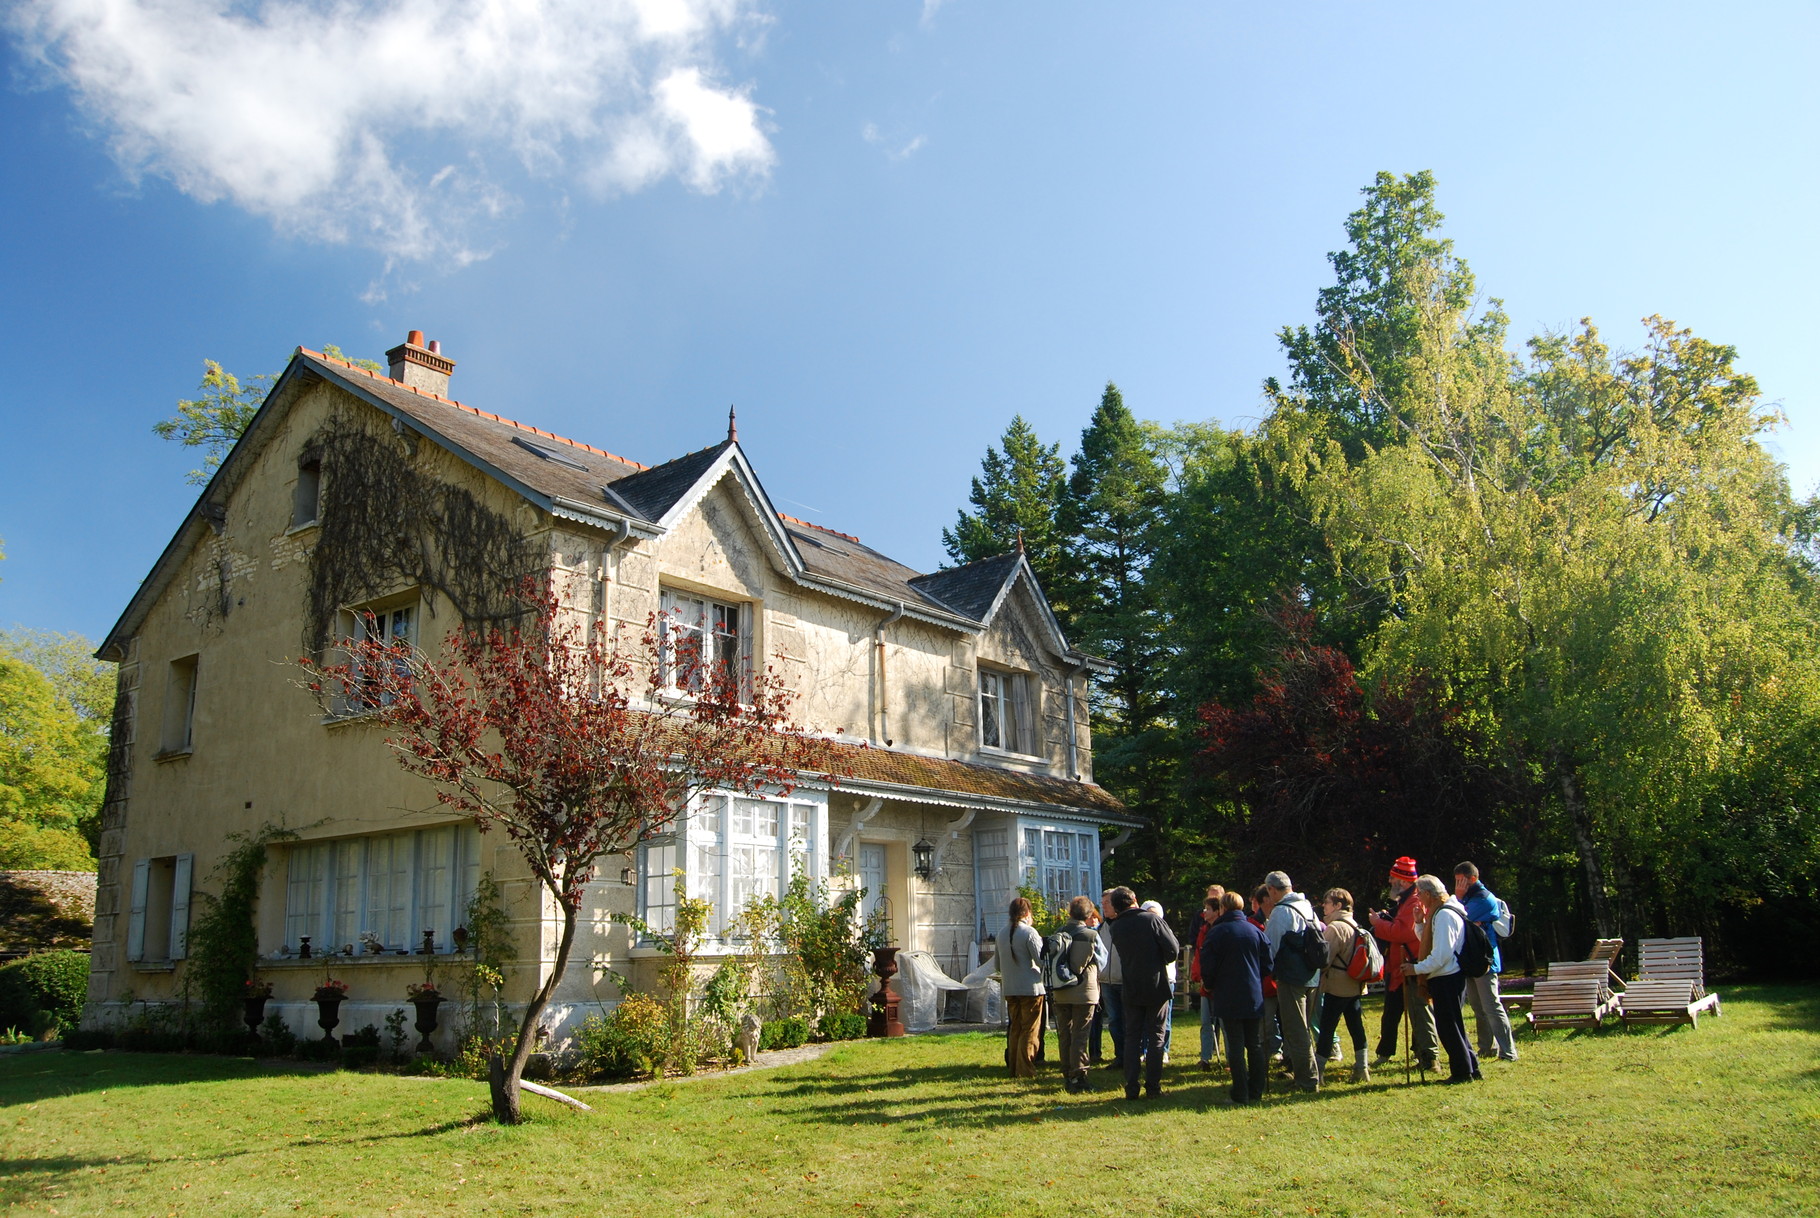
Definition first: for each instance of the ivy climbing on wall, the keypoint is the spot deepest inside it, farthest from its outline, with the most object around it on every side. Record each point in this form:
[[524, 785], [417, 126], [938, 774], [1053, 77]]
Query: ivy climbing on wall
[[387, 525]]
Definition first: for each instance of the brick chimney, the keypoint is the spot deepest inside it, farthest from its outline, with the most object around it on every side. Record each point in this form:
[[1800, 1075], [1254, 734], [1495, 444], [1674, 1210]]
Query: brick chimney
[[420, 365]]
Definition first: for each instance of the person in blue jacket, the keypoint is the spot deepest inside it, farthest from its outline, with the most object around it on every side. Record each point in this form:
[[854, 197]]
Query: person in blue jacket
[[1489, 1017], [1235, 959]]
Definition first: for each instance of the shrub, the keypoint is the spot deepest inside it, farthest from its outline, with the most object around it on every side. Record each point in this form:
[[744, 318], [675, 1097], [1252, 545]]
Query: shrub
[[44, 991], [278, 1036], [784, 1033], [78, 1041], [843, 1025], [323, 1050], [633, 1039]]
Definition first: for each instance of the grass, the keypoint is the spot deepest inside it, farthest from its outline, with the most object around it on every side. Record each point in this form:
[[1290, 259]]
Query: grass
[[1720, 1120]]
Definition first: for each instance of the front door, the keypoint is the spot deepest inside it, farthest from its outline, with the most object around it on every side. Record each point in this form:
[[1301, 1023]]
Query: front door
[[872, 878]]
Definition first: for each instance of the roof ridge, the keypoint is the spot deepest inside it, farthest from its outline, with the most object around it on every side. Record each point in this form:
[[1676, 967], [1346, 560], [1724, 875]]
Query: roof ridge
[[485, 414], [820, 528]]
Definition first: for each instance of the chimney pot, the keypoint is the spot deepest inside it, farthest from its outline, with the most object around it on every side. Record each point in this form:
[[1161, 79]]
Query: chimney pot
[[420, 367], [435, 346]]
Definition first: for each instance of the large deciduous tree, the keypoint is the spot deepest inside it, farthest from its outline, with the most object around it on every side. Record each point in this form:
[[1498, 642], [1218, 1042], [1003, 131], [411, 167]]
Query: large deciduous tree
[[574, 744]]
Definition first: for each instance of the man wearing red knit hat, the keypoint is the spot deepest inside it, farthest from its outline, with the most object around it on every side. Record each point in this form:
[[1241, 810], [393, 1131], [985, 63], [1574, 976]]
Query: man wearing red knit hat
[[1395, 929]]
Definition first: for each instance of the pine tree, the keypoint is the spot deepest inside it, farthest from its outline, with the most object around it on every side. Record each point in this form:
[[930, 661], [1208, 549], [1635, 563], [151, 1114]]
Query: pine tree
[[1017, 494]]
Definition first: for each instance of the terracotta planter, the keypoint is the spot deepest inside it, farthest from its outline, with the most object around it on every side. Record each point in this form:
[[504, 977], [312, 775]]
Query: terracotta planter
[[426, 1019], [328, 1010]]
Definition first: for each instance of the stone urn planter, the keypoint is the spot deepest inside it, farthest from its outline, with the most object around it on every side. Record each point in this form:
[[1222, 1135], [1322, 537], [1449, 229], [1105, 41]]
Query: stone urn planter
[[884, 1020], [426, 999], [254, 1000], [328, 1000]]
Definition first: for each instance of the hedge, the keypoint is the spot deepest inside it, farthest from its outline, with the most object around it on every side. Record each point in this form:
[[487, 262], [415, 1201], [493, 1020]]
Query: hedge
[[43, 991]]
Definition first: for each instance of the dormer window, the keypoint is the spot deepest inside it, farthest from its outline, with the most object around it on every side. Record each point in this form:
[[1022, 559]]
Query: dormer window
[[700, 636], [1006, 719]]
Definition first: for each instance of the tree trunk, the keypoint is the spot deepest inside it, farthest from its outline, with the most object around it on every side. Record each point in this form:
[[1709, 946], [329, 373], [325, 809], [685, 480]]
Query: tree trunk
[[504, 1076], [1580, 817]]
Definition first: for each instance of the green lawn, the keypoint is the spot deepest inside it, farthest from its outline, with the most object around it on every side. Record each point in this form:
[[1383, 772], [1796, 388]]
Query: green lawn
[[1722, 1120]]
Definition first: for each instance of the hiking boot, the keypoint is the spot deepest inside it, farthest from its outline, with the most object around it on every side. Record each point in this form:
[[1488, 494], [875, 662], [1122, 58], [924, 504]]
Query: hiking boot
[[1082, 1083], [1361, 1073], [1382, 1060], [1206, 1065]]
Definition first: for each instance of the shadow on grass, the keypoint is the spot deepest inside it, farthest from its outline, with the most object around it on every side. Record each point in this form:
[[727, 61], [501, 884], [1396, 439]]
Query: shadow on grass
[[987, 1098], [41, 1076]]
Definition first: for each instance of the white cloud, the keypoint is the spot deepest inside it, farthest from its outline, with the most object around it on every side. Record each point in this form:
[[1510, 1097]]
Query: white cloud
[[871, 134], [383, 122]]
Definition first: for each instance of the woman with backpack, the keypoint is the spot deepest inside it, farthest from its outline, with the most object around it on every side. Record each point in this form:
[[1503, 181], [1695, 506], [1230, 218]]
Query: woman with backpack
[[1446, 925], [1020, 968], [1342, 993]]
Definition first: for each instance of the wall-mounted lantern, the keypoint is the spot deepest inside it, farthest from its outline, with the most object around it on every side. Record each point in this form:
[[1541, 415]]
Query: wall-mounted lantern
[[925, 857]]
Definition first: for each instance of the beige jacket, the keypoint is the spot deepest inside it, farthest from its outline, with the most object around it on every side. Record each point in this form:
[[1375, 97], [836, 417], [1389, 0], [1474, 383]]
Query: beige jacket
[[1342, 933]]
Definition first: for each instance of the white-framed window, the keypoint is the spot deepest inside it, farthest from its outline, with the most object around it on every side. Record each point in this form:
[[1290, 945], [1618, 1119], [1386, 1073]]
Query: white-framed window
[[732, 849], [1060, 860], [719, 632], [158, 917], [392, 622], [393, 886], [1006, 717]]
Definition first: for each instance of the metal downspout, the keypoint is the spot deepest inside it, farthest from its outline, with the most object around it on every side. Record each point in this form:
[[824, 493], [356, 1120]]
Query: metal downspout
[[884, 705]]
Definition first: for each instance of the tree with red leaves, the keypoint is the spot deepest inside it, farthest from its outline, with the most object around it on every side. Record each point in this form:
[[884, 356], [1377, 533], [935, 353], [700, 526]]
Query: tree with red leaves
[[1330, 782], [573, 743]]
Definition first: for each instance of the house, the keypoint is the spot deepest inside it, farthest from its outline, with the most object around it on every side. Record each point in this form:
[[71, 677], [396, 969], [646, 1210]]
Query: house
[[360, 501]]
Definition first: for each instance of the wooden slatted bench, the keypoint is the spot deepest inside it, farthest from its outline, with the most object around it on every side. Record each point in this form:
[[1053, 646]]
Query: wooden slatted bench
[[1678, 960]]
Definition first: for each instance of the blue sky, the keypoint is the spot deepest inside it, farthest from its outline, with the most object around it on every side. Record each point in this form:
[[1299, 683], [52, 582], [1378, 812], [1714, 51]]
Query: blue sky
[[881, 229]]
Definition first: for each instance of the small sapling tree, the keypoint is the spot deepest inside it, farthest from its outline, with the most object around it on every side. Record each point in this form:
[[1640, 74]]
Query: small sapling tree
[[573, 743]]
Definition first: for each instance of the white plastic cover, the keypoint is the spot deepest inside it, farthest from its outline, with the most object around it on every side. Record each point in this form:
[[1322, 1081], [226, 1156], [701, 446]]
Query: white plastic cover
[[920, 982]]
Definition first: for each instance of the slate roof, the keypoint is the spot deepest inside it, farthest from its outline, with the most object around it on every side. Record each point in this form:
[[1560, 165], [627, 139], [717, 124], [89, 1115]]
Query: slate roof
[[653, 492], [972, 588]]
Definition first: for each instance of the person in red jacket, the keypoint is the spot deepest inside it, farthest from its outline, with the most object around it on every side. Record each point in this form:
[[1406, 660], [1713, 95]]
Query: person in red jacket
[[1395, 931]]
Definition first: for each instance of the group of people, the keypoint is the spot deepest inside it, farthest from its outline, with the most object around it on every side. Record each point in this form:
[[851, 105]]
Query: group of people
[[1264, 991]]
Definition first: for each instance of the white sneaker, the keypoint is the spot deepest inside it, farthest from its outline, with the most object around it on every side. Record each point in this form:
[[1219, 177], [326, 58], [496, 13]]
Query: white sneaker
[[1165, 1059]]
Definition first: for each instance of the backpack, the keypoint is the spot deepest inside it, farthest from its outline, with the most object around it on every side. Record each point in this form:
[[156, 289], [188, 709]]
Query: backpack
[[1475, 948], [1059, 972], [1366, 962], [1306, 946], [1505, 924]]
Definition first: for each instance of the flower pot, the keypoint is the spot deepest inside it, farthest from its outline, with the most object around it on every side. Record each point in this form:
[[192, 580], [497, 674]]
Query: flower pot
[[328, 1010], [426, 1019], [255, 1013]]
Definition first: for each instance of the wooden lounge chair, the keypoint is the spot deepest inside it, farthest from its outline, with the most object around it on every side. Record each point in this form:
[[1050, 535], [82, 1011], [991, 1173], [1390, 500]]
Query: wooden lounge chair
[[1583, 1002], [1664, 1002], [1596, 966], [1677, 960]]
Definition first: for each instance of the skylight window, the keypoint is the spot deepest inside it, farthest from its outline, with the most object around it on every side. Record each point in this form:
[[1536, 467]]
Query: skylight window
[[549, 454]]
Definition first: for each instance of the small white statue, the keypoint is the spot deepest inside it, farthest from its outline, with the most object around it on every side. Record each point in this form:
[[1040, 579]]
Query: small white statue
[[749, 1027]]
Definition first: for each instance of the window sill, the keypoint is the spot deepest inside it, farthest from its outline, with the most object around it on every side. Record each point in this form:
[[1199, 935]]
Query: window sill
[[165, 755], [305, 527], [153, 966], [990, 753], [335, 960]]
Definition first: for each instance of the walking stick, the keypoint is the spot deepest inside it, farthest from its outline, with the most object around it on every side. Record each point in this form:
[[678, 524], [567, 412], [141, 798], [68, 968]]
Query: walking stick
[[1407, 987]]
